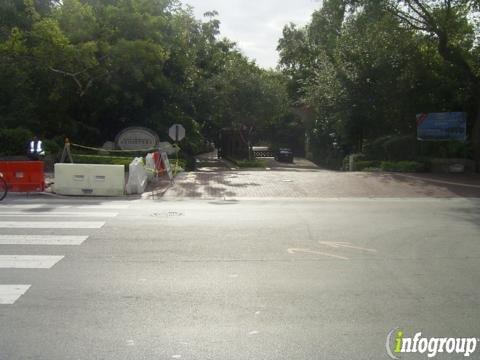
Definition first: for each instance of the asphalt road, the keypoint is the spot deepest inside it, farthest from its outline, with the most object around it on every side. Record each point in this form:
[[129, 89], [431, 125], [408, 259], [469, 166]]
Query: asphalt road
[[241, 279]]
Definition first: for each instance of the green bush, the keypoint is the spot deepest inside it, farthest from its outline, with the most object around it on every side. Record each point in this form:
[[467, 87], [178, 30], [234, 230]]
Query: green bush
[[14, 142], [402, 166], [52, 148], [375, 150], [356, 158], [447, 149], [362, 165], [392, 148], [400, 148], [118, 160], [182, 163], [105, 160]]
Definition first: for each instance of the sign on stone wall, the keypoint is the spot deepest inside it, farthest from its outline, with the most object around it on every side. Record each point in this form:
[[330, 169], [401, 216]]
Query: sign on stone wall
[[442, 126], [137, 138]]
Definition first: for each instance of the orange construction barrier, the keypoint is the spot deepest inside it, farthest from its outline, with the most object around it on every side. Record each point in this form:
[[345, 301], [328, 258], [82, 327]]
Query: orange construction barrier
[[24, 176], [160, 166]]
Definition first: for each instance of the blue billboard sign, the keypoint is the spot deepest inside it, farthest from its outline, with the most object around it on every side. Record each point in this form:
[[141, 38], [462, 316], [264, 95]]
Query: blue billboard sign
[[442, 126]]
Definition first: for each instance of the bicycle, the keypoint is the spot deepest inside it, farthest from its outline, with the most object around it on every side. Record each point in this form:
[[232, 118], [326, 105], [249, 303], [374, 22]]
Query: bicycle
[[3, 187]]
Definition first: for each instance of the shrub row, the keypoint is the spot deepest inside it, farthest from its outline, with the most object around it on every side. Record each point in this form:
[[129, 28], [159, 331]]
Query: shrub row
[[392, 148], [396, 166], [116, 160], [14, 142]]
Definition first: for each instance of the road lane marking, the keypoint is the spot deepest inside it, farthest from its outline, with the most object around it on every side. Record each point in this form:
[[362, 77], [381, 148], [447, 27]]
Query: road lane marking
[[37, 206], [41, 240], [33, 207], [53, 206], [28, 261], [346, 245], [59, 214], [11, 293], [307, 251], [105, 207], [51, 225]]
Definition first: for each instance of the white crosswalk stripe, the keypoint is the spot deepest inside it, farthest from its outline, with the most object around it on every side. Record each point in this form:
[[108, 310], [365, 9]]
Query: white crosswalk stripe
[[41, 240], [51, 224], [10, 293], [62, 207], [21, 215], [32, 206], [58, 214], [28, 261]]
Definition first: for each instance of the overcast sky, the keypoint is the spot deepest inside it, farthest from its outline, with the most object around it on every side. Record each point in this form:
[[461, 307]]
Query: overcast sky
[[256, 25]]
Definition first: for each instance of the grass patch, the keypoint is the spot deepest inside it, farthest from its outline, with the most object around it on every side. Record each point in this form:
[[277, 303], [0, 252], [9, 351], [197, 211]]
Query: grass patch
[[364, 165], [182, 163], [249, 163], [102, 160]]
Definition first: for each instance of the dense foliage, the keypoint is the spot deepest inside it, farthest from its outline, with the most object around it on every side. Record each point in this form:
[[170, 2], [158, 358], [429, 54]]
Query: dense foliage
[[354, 77], [88, 68], [366, 68]]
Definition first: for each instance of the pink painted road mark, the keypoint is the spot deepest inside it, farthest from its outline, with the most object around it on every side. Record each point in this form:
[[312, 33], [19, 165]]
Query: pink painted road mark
[[294, 251]]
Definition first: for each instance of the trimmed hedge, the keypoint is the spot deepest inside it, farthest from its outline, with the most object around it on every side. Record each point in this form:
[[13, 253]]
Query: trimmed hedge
[[104, 160], [362, 165], [117, 160], [14, 142], [356, 159], [402, 166], [392, 148], [394, 166]]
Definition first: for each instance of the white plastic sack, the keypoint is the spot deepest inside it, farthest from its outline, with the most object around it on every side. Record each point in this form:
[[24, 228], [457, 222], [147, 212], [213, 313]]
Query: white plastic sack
[[137, 177], [150, 166]]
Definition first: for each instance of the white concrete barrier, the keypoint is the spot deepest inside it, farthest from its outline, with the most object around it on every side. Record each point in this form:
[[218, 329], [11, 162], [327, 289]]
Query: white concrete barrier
[[89, 180]]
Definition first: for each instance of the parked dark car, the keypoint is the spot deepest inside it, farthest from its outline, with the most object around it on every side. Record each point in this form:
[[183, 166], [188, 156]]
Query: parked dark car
[[284, 155]]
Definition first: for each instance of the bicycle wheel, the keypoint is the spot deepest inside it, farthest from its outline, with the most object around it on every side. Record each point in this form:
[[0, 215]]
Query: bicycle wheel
[[3, 188]]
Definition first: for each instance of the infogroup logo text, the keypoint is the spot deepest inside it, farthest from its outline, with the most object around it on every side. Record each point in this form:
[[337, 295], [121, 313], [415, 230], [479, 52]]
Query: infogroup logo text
[[398, 344]]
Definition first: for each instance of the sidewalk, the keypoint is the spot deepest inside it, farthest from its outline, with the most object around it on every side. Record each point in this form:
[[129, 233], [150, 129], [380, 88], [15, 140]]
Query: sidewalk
[[211, 162], [317, 183], [216, 178]]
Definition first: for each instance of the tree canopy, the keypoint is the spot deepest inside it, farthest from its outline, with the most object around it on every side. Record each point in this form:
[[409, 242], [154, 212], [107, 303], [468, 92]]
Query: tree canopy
[[367, 67], [88, 68]]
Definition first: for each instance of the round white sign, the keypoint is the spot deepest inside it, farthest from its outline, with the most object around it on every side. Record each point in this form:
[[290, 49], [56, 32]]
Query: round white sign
[[137, 138]]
